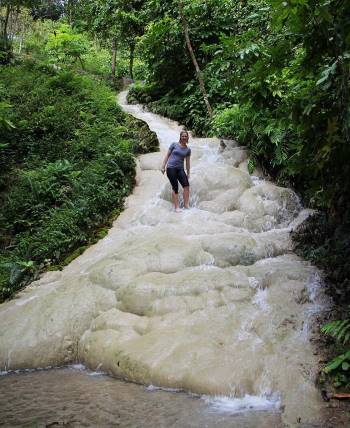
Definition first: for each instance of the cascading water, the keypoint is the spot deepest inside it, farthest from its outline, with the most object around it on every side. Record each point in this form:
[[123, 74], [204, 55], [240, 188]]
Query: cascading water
[[211, 300]]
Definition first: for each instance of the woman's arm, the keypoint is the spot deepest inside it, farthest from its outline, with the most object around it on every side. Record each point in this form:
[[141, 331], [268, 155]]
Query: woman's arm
[[188, 165], [165, 161]]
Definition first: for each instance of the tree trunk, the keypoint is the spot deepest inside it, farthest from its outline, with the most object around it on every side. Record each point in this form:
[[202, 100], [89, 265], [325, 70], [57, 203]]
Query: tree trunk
[[131, 62], [10, 34], [70, 11], [114, 56], [8, 11], [20, 45], [96, 43], [194, 60], [81, 62]]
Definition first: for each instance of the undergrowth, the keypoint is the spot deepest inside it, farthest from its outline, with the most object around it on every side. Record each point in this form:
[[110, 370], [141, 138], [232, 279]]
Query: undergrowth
[[67, 163]]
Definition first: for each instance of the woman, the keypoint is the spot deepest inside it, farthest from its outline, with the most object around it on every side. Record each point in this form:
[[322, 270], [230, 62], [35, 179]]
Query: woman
[[174, 164]]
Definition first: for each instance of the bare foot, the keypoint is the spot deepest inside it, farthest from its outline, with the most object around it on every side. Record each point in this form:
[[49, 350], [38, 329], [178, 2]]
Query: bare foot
[[177, 210]]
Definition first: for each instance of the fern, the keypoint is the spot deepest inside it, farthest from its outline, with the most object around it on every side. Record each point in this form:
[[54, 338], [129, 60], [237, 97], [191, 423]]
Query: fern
[[339, 329], [339, 361], [251, 166]]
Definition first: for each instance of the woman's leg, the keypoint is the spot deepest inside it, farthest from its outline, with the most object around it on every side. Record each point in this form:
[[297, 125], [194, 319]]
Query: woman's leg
[[176, 201], [172, 175], [187, 196], [182, 177]]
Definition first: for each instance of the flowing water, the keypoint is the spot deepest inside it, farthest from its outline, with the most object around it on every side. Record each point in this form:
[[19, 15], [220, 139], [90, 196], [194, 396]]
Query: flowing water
[[211, 301]]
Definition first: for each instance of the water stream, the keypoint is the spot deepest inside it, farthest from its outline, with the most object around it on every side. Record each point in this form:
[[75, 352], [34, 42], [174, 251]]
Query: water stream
[[211, 301]]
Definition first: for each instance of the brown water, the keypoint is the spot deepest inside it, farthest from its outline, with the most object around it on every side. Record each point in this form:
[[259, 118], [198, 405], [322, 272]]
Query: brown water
[[79, 398]]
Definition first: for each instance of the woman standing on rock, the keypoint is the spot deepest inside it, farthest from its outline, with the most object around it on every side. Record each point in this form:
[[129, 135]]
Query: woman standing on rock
[[173, 164]]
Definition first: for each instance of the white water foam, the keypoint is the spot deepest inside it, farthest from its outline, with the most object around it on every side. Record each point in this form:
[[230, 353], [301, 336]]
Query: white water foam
[[318, 302], [152, 388], [260, 299], [77, 367], [257, 181], [96, 374], [254, 282], [88, 372], [235, 405], [19, 371]]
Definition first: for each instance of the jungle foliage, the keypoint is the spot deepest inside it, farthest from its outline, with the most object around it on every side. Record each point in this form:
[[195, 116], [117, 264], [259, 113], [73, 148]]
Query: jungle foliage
[[67, 155], [117, 21]]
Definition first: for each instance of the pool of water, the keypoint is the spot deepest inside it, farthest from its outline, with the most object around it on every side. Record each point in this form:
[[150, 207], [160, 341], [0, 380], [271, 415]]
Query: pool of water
[[73, 397]]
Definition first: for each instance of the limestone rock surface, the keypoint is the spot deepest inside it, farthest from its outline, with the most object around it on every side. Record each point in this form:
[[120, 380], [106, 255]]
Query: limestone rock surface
[[210, 300]]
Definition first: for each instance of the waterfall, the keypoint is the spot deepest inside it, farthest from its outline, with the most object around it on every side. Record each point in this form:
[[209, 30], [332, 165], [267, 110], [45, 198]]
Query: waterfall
[[211, 300]]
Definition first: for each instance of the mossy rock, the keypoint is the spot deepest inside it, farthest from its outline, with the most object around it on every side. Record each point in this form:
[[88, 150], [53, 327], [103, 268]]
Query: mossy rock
[[147, 140]]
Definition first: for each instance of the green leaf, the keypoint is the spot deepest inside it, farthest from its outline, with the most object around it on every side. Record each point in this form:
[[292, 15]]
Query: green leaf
[[336, 362], [345, 365], [327, 73], [9, 124], [251, 166], [27, 265]]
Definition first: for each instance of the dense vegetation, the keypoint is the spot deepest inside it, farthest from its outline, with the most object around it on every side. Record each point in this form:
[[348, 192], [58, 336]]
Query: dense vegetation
[[67, 156], [272, 74]]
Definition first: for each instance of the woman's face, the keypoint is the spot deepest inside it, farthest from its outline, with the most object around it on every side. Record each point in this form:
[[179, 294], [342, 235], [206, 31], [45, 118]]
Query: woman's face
[[184, 137]]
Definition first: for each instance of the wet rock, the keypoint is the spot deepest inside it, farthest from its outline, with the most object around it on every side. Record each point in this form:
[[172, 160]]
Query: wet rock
[[196, 300]]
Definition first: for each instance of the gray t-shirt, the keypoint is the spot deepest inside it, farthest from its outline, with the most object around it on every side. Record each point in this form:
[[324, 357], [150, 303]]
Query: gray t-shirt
[[177, 156]]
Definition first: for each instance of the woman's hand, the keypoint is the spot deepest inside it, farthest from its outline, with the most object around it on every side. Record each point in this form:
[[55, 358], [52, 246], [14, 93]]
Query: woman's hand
[[163, 170]]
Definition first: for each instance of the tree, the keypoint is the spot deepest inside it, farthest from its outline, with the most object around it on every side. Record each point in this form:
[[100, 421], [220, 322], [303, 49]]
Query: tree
[[71, 7], [10, 7], [98, 18], [166, 54], [194, 59], [131, 26], [65, 45], [47, 9], [117, 21]]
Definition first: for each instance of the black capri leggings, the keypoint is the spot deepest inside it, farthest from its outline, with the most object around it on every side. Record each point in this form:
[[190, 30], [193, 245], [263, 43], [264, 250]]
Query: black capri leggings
[[175, 175]]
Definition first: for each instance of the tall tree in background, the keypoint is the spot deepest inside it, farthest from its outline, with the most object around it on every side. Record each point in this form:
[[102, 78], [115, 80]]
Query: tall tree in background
[[117, 21], [98, 18], [166, 53], [4, 22], [71, 7], [129, 17], [194, 59], [7, 9]]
